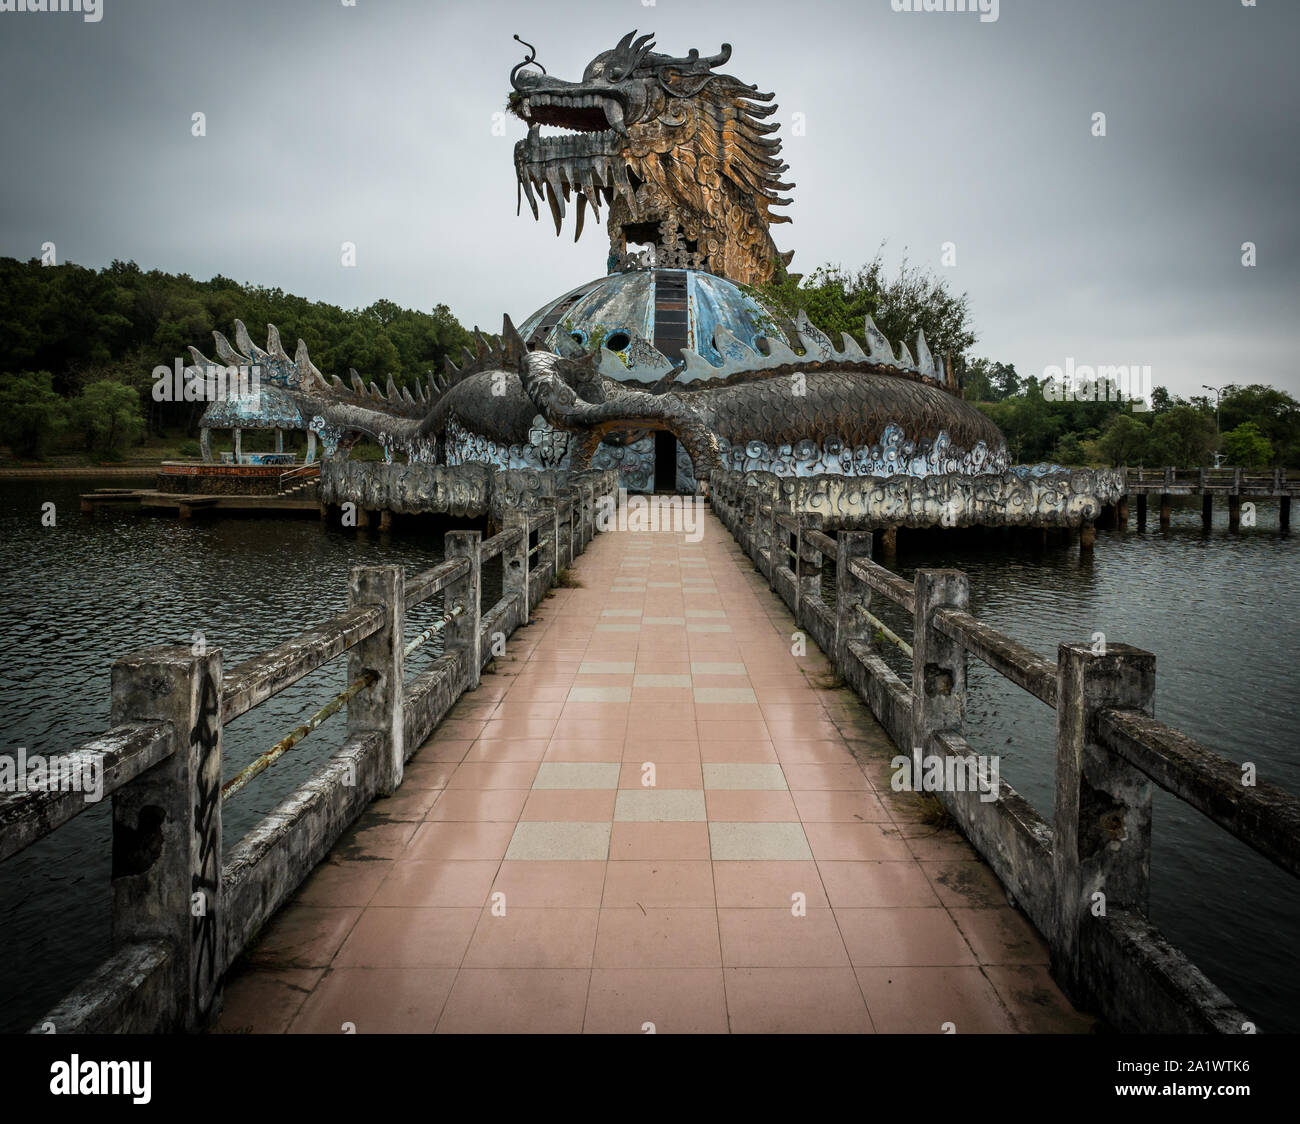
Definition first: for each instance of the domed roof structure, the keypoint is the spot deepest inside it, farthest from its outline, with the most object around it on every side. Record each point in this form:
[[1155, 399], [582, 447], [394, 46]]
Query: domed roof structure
[[647, 317]]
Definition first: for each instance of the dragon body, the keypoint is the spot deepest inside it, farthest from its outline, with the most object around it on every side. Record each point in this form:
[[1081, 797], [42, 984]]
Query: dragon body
[[681, 156]]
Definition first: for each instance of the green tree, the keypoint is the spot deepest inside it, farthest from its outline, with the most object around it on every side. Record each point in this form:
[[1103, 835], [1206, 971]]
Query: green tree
[[31, 413], [1070, 451], [1275, 412], [909, 301], [1247, 447], [1182, 436], [109, 415], [1124, 441]]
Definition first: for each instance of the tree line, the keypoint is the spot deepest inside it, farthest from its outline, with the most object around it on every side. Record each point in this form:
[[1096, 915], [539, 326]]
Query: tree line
[[78, 347], [1257, 426]]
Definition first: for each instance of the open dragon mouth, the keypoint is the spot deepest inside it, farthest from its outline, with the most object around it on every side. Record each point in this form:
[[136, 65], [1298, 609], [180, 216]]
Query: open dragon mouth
[[583, 160]]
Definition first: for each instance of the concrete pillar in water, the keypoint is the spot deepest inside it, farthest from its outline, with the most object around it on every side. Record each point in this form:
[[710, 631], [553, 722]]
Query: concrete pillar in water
[[1121, 513], [1142, 512], [1087, 535], [385, 520], [363, 518], [1207, 511], [1165, 516], [889, 542], [1234, 512], [1284, 514]]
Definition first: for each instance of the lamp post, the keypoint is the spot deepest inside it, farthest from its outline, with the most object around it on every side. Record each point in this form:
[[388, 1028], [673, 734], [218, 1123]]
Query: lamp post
[[1218, 393]]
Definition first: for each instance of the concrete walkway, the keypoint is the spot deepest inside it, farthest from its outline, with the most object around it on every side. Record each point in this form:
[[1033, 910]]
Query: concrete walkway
[[527, 878]]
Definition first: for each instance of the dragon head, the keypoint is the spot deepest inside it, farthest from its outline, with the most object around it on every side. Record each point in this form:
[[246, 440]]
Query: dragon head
[[679, 152]]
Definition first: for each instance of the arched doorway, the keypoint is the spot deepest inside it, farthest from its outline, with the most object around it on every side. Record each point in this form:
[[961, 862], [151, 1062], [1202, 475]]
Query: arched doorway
[[665, 461]]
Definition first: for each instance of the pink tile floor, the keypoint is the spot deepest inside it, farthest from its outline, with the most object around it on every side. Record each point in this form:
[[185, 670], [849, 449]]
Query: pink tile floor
[[651, 815]]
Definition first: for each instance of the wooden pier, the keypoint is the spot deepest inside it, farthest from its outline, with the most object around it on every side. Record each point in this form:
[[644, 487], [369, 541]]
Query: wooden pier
[[1235, 484], [185, 505]]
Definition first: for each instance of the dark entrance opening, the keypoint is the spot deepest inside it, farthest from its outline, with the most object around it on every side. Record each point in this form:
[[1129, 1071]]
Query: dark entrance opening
[[665, 461]]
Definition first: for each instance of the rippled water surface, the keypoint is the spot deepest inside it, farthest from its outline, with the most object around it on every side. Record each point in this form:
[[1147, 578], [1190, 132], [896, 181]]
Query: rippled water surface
[[1220, 612], [1222, 615], [80, 594]]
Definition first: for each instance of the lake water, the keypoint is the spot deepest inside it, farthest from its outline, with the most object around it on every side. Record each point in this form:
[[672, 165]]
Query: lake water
[[86, 591], [1220, 613]]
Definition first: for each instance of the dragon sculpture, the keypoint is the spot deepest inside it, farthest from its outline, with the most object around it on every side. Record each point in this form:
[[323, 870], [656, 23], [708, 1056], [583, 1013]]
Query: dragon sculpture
[[679, 153]]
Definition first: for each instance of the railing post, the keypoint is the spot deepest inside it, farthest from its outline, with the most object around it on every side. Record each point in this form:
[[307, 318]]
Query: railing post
[[1101, 853], [462, 632], [850, 590], [514, 563], [774, 532], [807, 563], [938, 663], [167, 825], [546, 544], [381, 707], [557, 540], [588, 512]]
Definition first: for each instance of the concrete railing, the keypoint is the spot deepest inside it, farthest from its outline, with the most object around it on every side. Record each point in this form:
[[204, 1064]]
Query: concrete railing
[[1242, 481], [1082, 879], [184, 908]]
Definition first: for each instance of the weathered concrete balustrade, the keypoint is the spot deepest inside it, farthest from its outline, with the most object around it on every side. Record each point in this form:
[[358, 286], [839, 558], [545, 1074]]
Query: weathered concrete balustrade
[[184, 909], [1082, 879]]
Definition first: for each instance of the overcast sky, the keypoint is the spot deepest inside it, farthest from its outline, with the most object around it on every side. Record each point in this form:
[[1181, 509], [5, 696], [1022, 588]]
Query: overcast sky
[[373, 124]]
